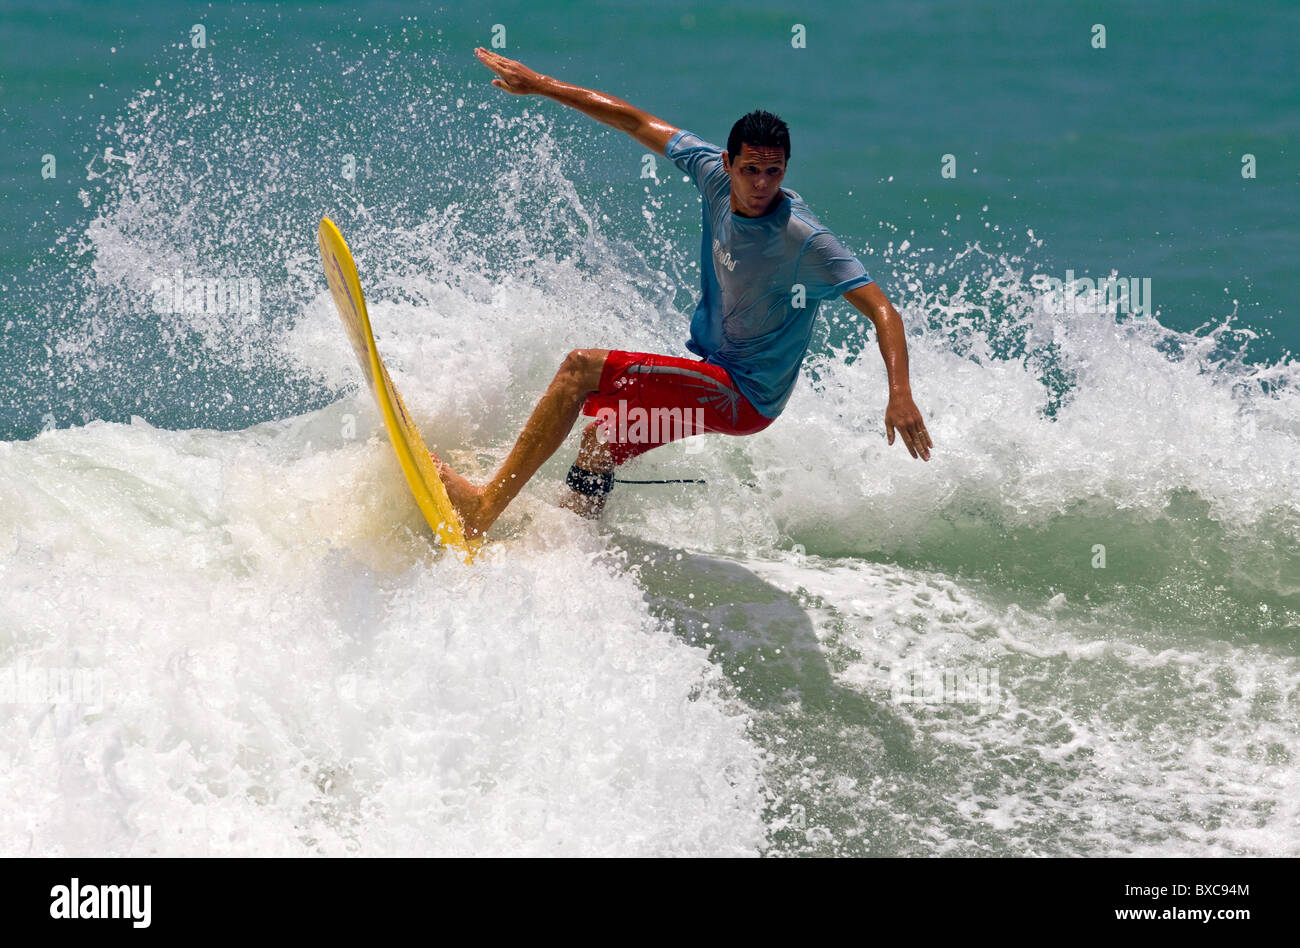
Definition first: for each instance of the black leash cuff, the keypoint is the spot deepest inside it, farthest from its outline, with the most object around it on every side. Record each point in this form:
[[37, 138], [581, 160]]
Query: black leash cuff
[[589, 482]]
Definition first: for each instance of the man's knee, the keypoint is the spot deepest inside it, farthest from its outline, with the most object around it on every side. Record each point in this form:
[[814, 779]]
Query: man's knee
[[582, 368]]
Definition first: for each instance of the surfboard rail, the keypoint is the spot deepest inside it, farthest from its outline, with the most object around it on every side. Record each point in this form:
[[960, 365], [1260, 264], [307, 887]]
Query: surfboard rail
[[417, 465]]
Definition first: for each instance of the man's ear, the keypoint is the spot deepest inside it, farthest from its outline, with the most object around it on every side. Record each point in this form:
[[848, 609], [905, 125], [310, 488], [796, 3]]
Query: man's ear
[[726, 161]]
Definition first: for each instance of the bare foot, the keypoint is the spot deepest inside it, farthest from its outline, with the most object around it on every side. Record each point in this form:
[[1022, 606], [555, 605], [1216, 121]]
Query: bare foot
[[466, 498]]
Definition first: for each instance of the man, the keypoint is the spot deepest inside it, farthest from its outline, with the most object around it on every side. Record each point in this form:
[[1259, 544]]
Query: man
[[766, 265]]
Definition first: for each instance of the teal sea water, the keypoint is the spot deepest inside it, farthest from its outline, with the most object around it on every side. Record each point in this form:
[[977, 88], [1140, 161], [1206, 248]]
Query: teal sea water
[[1073, 632]]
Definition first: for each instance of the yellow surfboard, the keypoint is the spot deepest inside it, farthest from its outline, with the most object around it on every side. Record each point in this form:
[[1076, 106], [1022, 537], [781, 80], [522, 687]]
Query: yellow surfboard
[[421, 474]]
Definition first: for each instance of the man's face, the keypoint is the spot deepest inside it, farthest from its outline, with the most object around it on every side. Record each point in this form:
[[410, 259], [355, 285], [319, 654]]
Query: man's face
[[756, 175]]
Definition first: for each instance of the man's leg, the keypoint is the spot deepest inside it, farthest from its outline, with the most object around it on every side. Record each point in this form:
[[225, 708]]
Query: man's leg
[[594, 457], [647, 400], [547, 427]]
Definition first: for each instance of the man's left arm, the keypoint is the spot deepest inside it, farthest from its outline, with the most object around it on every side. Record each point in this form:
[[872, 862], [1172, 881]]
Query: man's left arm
[[902, 413]]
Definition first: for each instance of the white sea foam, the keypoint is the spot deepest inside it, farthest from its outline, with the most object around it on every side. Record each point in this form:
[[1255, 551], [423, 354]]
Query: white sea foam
[[294, 671]]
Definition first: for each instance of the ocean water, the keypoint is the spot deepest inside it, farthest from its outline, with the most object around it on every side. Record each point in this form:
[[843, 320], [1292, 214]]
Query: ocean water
[[224, 628]]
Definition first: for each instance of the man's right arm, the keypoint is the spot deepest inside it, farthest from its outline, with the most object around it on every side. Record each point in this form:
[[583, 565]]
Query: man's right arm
[[515, 77]]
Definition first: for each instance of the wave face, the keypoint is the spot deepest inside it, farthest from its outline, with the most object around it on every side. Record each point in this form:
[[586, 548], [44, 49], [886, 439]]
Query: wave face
[[224, 630]]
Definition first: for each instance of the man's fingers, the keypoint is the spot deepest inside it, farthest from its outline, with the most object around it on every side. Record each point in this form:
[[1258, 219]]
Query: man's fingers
[[907, 440], [917, 440], [491, 60], [494, 60], [923, 442]]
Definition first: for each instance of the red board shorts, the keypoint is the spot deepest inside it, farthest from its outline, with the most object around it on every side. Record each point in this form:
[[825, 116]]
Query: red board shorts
[[646, 400]]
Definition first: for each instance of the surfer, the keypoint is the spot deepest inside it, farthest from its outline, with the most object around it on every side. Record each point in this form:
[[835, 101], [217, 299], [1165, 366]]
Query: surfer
[[766, 265]]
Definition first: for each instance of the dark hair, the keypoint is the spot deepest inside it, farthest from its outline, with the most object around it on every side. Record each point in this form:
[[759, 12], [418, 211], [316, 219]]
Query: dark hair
[[759, 129]]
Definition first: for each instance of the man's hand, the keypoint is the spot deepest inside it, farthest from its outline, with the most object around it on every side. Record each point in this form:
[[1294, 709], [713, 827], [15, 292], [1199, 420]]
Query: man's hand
[[514, 76], [517, 78], [902, 414]]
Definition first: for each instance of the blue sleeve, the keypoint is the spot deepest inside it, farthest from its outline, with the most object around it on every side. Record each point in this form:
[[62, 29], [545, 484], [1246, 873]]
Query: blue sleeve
[[827, 269], [696, 157]]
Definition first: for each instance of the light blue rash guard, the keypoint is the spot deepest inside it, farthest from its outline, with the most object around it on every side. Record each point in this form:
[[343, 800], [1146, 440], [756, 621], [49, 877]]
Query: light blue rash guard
[[746, 320]]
